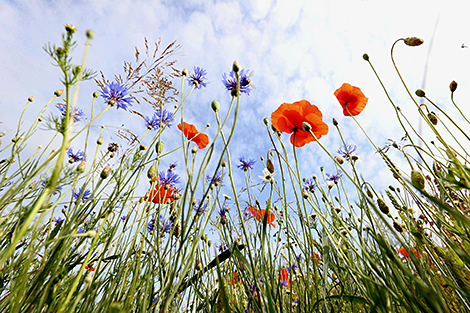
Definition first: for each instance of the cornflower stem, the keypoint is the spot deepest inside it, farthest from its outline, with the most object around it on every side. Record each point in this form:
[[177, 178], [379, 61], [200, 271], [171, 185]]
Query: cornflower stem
[[89, 125], [36, 121], [461, 113]]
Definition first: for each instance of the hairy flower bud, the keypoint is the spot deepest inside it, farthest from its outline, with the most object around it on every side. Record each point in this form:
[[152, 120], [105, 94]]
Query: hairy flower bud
[[433, 118], [31, 99], [159, 147], [266, 121], [96, 94], [270, 166], [453, 86], [58, 92], [236, 67], [339, 159], [90, 34], [335, 122], [420, 93], [369, 193], [81, 167], [105, 172], [100, 141], [40, 119], [185, 72], [414, 41], [151, 172], [417, 179], [383, 206], [223, 163], [194, 150], [215, 105], [398, 227]]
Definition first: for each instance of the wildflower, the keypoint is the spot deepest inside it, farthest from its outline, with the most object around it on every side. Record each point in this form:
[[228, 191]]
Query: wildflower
[[85, 195], [79, 156], [260, 215], [113, 147], [267, 176], [405, 253], [223, 212], [57, 189], [216, 179], [200, 207], [164, 117], [334, 177], [247, 214], [80, 230], [246, 164], [123, 218], [230, 82], [198, 78], [77, 114], [315, 257], [169, 178], [310, 184], [152, 123], [192, 134], [221, 247], [58, 220], [347, 151], [163, 225], [91, 268], [285, 280], [289, 118], [351, 99], [117, 93], [162, 194]]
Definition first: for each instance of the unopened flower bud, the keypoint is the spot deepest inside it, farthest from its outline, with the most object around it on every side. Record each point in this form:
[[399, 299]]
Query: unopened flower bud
[[105, 172], [159, 147], [354, 158], [417, 179], [90, 34], [81, 167], [339, 159], [433, 118], [420, 93], [142, 147], [414, 41], [96, 94], [91, 234], [31, 99], [224, 163], [304, 193], [236, 67], [194, 150], [398, 227], [185, 72], [100, 141], [365, 56], [453, 86], [270, 166], [58, 92], [306, 126], [69, 28], [151, 172], [383, 206], [335, 122], [215, 105], [40, 119]]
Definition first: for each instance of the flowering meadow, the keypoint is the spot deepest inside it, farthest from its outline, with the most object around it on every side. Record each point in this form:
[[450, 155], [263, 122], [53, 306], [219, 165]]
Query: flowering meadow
[[77, 235]]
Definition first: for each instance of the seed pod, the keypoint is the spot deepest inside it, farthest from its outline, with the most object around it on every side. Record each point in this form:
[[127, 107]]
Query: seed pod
[[365, 56], [159, 147], [420, 93], [417, 179], [383, 206], [215, 105]]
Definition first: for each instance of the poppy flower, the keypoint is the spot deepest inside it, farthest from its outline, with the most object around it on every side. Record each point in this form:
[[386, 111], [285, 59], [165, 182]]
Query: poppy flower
[[162, 195], [285, 280], [288, 118], [91, 268], [351, 99], [316, 258], [405, 253], [191, 133], [259, 215]]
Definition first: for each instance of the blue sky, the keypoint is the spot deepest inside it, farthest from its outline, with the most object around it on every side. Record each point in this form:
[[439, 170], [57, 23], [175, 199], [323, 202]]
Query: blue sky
[[298, 49]]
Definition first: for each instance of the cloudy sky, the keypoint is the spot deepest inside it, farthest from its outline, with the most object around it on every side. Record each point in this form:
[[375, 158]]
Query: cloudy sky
[[298, 50]]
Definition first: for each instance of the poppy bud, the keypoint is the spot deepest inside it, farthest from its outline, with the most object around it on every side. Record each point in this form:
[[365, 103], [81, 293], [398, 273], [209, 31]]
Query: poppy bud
[[209, 243], [417, 179], [96, 94], [31, 99], [215, 105], [270, 166], [159, 147], [236, 67], [224, 163], [395, 145], [369, 193], [105, 172], [142, 147], [383, 206], [81, 167], [339, 159], [433, 118], [453, 86], [151, 172], [365, 56], [58, 92], [398, 227], [306, 126], [414, 41], [194, 150], [304, 193], [40, 119], [391, 188], [90, 34], [100, 141], [338, 210], [185, 72], [420, 93], [266, 121]]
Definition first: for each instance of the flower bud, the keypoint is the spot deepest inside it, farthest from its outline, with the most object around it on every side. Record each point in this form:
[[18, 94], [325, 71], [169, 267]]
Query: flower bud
[[414, 41], [69, 28], [417, 179], [354, 158], [365, 56], [270, 166], [159, 147], [96, 94], [31, 99], [335, 122], [369, 193], [433, 118], [339, 159], [142, 147], [453, 86], [105, 172], [91, 234], [306, 126], [58, 92], [185, 72], [236, 67], [304, 193], [266, 121], [224, 163], [90, 34], [152, 172], [40, 119], [100, 141], [420, 93], [81, 167], [215, 105], [194, 150], [398, 227], [383, 206]]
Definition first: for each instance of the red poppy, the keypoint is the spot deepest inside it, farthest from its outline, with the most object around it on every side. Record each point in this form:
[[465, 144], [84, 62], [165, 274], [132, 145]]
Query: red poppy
[[351, 99], [161, 195], [259, 215], [91, 268], [285, 280], [288, 118], [234, 280], [192, 134], [317, 257], [405, 253]]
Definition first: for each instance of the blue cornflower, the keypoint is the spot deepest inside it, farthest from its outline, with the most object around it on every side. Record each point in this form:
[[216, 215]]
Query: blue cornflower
[[299, 257], [169, 178], [310, 184], [230, 82], [163, 226], [152, 123], [118, 93], [76, 157], [198, 78], [77, 115], [346, 152], [58, 220], [151, 224], [223, 212], [216, 179], [85, 196], [200, 207], [334, 178], [246, 164], [57, 189], [247, 213], [285, 283], [80, 230], [293, 268], [222, 247], [123, 218], [164, 117]]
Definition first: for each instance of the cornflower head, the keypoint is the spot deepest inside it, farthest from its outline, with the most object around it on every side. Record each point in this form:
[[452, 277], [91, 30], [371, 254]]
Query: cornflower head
[[58, 220], [115, 93], [221, 247], [164, 117], [247, 213], [310, 184], [230, 82], [216, 179], [198, 78], [77, 156], [86, 194], [163, 225], [152, 123], [347, 151], [246, 164], [334, 177], [77, 114], [223, 212], [169, 178], [123, 218], [200, 207], [57, 189]]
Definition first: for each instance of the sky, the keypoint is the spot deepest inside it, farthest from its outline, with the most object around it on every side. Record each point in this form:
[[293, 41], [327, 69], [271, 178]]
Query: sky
[[299, 50]]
